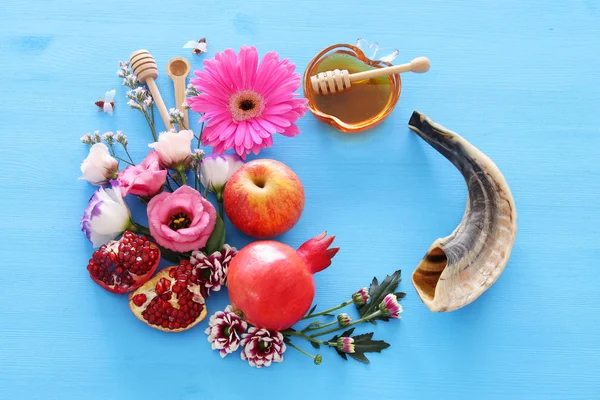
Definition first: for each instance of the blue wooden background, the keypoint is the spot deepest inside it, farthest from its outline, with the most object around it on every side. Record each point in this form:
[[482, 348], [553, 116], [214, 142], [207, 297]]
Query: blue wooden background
[[517, 78]]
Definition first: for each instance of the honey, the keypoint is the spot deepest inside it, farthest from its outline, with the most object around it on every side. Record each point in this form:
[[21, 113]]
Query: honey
[[362, 106]]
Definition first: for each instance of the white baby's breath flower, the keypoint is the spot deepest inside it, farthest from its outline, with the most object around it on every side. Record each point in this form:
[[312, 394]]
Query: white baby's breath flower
[[191, 91], [97, 137], [176, 116], [109, 138], [121, 138], [87, 139]]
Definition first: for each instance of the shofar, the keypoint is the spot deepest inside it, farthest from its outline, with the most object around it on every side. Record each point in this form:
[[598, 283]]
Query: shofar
[[457, 269]]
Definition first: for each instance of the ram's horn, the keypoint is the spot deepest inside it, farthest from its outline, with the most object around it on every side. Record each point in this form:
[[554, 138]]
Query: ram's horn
[[457, 269]]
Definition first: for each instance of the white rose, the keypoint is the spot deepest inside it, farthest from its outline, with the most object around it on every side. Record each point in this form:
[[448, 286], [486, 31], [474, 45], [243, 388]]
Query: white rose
[[174, 148], [99, 166]]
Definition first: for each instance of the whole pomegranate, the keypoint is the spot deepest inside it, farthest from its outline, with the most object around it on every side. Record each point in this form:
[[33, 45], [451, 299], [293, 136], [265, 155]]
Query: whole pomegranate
[[271, 285], [121, 266]]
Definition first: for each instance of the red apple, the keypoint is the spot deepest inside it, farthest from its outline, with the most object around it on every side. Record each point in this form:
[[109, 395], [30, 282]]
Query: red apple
[[264, 198]]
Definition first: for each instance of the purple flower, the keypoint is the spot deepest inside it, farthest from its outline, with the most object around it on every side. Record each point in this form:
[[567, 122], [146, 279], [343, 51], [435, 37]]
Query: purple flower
[[390, 307], [262, 347], [106, 216], [211, 270], [344, 319], [361, 297], [224, 331], [345, 344]]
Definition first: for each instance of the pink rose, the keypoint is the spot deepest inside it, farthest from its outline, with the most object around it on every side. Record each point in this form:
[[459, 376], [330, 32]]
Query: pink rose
[[145, 179], [182, 220]]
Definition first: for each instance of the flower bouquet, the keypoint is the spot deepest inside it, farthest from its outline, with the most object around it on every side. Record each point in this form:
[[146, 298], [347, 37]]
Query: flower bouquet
[[242, 103]]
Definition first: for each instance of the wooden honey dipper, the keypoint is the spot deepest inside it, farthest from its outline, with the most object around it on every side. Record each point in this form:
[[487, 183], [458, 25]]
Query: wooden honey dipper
[[144, 67], [338, 80]]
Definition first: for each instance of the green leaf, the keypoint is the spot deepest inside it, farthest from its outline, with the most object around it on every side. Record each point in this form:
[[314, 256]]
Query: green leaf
[[217, 238], [342, 354], [315, 345], [374, 285], [286, 340], [312, 309], [379, 291], [400, 295], [360, 357], [365, 344]]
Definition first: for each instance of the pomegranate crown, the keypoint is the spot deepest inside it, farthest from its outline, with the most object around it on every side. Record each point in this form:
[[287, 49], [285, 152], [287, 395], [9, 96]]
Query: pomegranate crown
[[316, 252]]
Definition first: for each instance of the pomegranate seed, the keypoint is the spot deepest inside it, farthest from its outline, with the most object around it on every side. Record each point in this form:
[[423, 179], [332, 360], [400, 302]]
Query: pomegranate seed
[[139, 299]]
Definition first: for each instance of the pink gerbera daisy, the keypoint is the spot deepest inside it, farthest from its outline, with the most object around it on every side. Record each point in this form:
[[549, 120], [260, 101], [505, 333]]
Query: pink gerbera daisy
[[246, 103]]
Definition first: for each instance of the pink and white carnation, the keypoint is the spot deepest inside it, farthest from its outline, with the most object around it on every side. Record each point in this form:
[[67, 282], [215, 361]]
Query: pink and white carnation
[[262, 347], [225, 330], [245, 102], [211, 271]]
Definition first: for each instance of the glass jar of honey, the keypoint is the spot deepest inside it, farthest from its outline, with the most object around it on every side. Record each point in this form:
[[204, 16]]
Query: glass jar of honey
[[364, 104]]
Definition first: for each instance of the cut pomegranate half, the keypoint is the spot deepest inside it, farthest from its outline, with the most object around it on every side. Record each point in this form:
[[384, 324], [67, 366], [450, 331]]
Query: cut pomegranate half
[[123, 265], [171, 301]]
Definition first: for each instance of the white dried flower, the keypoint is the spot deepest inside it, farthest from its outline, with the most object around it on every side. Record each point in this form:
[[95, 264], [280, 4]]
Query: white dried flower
[[87, 139], [121, 138], [108, 138], [97, 137]]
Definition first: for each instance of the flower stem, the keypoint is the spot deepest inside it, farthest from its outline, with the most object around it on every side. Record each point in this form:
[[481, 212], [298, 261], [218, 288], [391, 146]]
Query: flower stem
[[150, 123], [300, 350], [200, 135], [128, 155], [309, 338], [316, 328], [121, 159], [220, 202], [181, 172], [344, 304], [135, 227], [358, 321]]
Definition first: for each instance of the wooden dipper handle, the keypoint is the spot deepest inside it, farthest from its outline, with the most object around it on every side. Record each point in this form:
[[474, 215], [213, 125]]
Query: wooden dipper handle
[[338, 80], [178, 69], [144, 67]]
